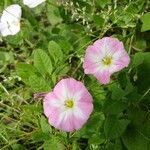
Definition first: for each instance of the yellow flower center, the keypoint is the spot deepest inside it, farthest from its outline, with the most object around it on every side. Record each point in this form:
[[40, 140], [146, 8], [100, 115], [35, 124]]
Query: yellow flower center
[[107, 60], [69, 103]]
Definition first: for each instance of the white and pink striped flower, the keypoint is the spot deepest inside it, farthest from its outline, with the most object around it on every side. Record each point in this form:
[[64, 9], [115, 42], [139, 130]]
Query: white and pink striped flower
[[105, 57], [68, 106]]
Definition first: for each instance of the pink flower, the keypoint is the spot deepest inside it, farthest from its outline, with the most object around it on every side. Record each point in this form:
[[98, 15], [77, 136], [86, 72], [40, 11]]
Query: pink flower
[[105, 57], [68, 106]]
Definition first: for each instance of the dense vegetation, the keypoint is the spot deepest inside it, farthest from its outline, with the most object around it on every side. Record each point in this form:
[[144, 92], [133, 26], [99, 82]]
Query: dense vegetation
[[50, 46]]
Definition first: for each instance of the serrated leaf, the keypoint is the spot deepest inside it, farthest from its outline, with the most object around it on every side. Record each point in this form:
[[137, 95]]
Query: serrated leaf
[[113, 127], [42, 62]]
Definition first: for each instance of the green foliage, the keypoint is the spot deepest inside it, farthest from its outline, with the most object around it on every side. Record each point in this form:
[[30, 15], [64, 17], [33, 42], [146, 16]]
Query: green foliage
[[146, 22], [114, 127], [44, 66], [51, 46]]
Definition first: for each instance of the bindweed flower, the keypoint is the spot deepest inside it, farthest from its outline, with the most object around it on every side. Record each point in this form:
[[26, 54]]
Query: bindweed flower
[[33, 3], [10, 20], [68, 106], [105, 57]]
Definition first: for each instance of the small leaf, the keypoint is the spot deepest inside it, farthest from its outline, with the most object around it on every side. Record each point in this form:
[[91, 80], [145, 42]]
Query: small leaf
[[138, 59], [25, 71], [146, 22], [96, 139], [53, 144], [40, 136], [117, 92], [103, 3], [38, 84], [55, 51], [42, 62], [113, 127], [53, 14], [46, 128], [114, 106]]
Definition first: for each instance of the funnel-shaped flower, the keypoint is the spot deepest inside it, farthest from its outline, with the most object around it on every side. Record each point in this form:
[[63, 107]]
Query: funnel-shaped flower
[[10, 20], [33, 3], [105, 57], [68, 106]]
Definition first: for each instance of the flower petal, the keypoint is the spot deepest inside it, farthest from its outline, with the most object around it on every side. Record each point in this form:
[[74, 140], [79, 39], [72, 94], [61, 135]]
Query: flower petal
[[103, 77], [62, 117], [107, 48], [10, 20], [33, 3]]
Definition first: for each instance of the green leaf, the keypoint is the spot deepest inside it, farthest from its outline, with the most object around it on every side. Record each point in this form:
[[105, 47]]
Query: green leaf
[[96, 139], [55, 51], [53, 14], [137, 59], [18, 147], [15, 40], [103, 3], [146, 22], [40, 136], [117, 92], [92, 126], [143, 74], [138, 138], [98, 20], [115, 146], [42, 62], [46, 128], [25, 71], [113, 127], [38, 84], [122, 78], [114, 106], [54, 144]]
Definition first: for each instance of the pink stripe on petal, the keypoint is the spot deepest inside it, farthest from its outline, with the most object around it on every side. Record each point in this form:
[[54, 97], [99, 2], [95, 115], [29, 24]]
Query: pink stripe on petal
[[100, 45], [123, 61], [85, 97], [61, 90], [86, 108], [78, 122], [53, 118], [92, 59], [52, 99], [90, 68], [103, 77], [115, 46], [66, 123], [94, 50]]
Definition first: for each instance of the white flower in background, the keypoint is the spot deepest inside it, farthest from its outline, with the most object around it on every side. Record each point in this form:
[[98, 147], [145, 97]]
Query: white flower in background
[[33, 3], [10, 20]]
